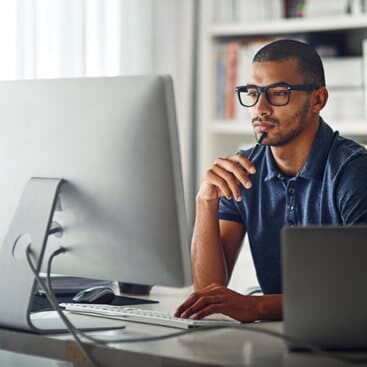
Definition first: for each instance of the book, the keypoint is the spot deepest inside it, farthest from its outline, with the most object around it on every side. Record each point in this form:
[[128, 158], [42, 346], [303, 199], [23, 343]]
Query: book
[[222, 11], [251, 11], [325, 8], [247, 51], [344, 104], [231, 79], [336, 75], [220, 78]]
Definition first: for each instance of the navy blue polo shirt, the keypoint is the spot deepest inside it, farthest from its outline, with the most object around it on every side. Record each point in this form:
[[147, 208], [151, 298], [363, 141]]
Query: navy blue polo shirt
[[330, 189]]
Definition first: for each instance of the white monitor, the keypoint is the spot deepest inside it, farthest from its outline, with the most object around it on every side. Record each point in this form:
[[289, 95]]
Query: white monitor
[[114, 142]]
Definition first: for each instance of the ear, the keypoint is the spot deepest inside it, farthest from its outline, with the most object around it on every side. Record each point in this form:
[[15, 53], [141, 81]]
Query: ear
[[319, 99]]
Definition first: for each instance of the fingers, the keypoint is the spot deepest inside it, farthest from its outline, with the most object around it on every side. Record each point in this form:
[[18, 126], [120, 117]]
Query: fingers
[[239, 167], [220, 183], [187, 304], [204, 303], [207, 310], [227, 174], [196, 308], [245, 163], [198, 300], [238, 174]]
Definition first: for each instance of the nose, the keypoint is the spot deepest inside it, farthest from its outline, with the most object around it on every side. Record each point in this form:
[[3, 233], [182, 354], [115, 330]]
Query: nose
[[262, 107]]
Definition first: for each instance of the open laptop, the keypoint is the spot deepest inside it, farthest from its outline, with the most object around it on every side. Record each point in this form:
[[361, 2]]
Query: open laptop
[[325, 285]]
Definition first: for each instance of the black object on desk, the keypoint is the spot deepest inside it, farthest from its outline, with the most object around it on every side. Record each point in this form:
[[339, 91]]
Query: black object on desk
[[65, 288]]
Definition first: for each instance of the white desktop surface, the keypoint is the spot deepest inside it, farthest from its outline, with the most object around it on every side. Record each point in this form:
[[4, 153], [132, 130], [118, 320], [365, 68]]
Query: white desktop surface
[[209, 348]]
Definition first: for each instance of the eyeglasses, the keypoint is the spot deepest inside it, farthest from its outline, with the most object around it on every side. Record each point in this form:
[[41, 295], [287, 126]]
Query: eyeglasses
[[277, 94]]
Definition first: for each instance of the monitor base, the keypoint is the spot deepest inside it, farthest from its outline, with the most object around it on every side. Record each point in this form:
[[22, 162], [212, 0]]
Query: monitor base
[[49, 322]]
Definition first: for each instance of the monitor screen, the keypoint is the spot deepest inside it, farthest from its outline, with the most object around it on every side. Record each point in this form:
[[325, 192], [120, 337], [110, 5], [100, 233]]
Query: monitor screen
[[114, 141]]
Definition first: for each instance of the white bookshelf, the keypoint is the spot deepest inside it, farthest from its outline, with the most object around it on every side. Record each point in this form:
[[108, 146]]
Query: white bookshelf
[[287, 26]]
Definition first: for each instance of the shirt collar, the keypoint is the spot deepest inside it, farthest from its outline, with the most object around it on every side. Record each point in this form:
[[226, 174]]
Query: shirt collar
[[315, 162]]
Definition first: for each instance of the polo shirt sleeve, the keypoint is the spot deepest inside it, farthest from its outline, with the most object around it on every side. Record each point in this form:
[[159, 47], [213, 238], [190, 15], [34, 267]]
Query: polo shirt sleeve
[[228, 210], [352, 190]]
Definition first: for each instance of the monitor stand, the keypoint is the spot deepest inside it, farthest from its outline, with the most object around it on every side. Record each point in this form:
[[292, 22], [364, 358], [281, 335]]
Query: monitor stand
[[31, 224]]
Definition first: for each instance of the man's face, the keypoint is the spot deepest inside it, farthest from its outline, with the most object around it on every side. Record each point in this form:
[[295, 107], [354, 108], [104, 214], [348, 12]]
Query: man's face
[[281, 123]]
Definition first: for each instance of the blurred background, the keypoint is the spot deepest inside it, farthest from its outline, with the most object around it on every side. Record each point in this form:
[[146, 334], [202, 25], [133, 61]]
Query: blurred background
[[206, 46]]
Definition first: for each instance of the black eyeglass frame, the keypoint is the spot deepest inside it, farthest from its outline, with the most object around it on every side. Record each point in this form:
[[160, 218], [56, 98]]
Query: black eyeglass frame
[[264, 90]]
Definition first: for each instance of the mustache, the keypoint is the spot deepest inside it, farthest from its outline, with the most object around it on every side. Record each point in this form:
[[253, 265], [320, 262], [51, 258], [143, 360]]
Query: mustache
[[268, 120]]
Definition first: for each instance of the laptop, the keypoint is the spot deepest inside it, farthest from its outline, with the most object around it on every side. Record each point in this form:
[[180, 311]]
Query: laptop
[[324, 274]]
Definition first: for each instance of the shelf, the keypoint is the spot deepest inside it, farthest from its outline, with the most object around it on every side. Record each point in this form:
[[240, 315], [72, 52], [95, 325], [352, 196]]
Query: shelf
[[292, 25], [217, 136], [237, 128]]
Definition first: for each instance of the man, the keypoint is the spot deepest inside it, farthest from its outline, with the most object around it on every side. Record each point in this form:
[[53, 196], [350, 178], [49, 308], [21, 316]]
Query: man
[[302, 173]]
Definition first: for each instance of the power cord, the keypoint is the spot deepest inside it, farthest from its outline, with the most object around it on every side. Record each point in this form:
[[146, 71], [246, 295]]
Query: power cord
[[75, 331], [54, 303]]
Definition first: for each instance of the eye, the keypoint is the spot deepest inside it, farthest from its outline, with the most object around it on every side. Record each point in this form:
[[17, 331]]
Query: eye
[[252, 93], [280, 93]]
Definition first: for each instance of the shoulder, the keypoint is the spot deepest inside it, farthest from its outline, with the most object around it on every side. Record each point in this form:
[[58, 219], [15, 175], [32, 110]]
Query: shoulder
[[347, 164], [347, 153]]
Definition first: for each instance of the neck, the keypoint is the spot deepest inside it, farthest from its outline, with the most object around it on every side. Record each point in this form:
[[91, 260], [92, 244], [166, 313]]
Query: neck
[[291, 158]]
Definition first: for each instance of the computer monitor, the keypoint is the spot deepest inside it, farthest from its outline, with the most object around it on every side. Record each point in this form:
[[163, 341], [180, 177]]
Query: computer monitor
[[114, 143]]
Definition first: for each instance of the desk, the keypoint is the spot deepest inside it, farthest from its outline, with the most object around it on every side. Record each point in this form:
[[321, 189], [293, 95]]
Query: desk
[[209, 348]]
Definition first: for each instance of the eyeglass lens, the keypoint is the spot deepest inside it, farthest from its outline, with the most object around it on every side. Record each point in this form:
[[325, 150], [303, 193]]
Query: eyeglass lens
[[277, 95]]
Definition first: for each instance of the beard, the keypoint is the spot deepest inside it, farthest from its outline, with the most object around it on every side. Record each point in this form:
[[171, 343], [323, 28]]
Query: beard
[[281, 139]]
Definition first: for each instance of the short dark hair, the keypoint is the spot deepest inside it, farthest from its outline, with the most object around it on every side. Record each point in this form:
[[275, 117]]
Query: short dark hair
[[309, 61]]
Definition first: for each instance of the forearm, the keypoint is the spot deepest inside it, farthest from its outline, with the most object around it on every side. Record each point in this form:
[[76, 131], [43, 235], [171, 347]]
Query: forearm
[[269, 307], [208, 261]]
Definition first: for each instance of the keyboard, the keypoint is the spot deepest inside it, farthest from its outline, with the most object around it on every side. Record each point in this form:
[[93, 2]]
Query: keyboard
[[142, 315]]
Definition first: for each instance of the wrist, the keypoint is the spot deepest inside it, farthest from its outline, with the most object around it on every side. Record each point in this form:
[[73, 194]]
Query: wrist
[[269, 307], [261, 306]]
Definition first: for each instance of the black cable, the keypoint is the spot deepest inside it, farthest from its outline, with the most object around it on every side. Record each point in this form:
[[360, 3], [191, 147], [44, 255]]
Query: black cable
[[300, 343], [50, 294], [58, 308]]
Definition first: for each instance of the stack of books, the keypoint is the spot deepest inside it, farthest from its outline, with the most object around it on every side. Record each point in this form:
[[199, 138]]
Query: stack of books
[[344, 80], [228, 11], [232, 67]]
